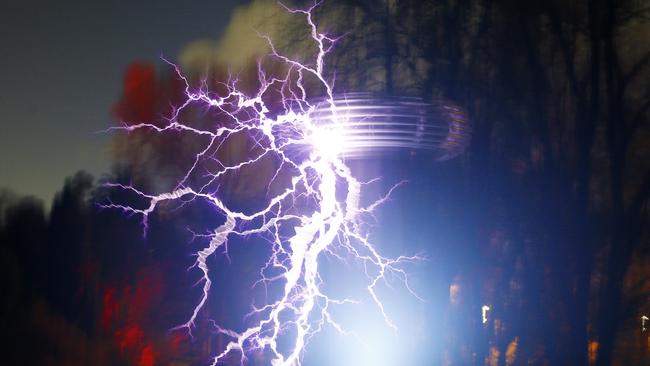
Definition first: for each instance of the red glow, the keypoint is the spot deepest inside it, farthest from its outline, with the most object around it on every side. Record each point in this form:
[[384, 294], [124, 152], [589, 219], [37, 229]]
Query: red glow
[[128, 311], [109, 308], [147, 356], [138, 103], [129, 337]]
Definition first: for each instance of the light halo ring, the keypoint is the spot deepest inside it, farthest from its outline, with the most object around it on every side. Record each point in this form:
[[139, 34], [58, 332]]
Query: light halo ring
[[362, 125]]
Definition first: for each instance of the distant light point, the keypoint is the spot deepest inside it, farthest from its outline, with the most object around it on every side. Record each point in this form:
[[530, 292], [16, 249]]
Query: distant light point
[[484, 311]]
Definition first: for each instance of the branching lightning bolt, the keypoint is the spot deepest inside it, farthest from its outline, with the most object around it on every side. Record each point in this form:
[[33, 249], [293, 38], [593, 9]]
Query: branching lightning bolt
[[334, 227]]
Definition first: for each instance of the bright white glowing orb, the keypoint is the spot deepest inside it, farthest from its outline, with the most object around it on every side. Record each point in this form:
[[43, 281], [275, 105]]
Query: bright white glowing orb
[[328, 141]]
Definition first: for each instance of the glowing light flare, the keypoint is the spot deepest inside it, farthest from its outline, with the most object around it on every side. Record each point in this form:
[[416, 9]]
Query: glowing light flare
[[644, 319], [329, 141]]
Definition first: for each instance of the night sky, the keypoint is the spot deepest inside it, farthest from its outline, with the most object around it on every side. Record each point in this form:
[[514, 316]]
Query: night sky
[[62, 68]]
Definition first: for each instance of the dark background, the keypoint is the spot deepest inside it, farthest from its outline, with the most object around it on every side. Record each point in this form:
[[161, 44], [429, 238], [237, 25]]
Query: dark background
[[543, 218]]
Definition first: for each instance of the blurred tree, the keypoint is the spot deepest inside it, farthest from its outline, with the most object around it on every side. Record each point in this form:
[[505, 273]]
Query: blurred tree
[[556, 173]]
